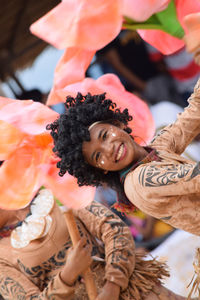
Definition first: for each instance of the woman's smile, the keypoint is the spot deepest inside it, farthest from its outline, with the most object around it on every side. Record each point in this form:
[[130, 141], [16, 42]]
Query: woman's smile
[[121, 152], [110, 148]]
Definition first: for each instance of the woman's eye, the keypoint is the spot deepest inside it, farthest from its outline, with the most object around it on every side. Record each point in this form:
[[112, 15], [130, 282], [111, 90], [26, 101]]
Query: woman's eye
[[104, 136], [97, 156]]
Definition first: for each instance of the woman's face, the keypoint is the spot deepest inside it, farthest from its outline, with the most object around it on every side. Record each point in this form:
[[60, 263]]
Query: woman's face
[[110, 147]]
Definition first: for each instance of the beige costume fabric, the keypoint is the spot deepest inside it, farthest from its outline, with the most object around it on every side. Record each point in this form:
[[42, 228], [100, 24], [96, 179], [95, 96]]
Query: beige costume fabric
[[33, 272], [170, 189]]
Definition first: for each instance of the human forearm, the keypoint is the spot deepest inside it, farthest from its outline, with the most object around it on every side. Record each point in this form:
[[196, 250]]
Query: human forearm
[[78, 260], [110, 291], [137, 82], [117, 239], [120, 257], [114, 59]]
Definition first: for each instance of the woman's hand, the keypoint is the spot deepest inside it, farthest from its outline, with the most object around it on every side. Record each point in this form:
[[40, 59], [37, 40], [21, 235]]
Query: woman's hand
[[78, 260], [110, 291]]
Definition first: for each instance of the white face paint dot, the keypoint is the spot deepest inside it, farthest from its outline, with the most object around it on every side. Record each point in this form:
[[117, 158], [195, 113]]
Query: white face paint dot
[[112, 133]]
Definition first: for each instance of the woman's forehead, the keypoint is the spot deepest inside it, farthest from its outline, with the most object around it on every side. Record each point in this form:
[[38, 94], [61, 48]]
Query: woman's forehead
[[100, 125]]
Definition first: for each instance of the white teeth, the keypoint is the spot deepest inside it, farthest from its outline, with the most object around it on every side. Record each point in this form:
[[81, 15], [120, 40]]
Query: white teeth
[[119, 154]]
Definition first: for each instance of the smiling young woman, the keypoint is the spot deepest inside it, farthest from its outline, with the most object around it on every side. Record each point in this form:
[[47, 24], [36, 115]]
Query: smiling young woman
[[94, 144], [110, 147]]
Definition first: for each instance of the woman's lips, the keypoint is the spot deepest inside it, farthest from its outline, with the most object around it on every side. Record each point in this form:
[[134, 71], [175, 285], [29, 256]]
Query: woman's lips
[[121, 152]]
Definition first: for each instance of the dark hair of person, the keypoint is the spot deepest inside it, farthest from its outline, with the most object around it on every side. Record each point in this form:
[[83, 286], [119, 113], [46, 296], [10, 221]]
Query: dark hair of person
[[70, 130]]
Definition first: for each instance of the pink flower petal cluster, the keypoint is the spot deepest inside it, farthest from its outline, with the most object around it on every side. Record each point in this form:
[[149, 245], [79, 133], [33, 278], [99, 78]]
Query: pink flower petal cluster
[[84, 26], [28, 160], [91, 25]]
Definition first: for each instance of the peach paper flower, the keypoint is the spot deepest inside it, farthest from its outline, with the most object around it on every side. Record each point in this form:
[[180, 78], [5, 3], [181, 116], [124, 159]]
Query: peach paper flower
[[84, 26], [28, 160]]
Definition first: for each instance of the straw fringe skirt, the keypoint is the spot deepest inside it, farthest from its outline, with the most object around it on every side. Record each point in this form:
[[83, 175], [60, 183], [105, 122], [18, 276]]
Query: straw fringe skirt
[[146, 275]]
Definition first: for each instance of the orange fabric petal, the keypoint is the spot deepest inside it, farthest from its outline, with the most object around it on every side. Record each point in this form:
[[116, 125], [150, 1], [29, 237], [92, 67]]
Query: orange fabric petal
[[43, 141], [19, 178], [164, 42], [10, 139], [86, 24], [142, 124], [28, 116], [141, 10], [66, 189]]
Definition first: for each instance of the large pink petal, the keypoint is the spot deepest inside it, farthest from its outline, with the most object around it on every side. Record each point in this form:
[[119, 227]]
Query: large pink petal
[[11, 137], [55, 96], [142, 124], [141, 10], [4, 101], [161, 40], [70, 69], [19, 178], [28, 116], [66, 189], [72, 66], [86, 24], [164, 42]]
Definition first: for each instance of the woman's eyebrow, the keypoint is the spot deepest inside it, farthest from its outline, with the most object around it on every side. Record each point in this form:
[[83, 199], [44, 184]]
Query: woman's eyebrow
[[100, 133], [99, 136]]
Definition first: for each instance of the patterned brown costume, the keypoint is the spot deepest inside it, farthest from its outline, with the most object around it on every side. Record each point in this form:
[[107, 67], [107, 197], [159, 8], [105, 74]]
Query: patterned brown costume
[[170, 189], [33, 272]]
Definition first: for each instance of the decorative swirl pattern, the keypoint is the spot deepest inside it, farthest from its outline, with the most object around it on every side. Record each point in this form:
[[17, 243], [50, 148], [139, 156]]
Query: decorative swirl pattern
[[154, 176]]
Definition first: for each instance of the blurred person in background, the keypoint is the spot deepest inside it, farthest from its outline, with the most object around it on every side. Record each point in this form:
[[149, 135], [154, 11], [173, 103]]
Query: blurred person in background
[[128, 57]]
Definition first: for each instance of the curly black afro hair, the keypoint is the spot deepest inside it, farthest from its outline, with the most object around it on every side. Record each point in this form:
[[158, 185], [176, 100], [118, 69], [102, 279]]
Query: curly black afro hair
[[70, 130]]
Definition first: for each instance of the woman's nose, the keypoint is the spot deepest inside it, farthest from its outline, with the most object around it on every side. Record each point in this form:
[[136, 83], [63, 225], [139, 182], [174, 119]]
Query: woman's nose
[[107, 148]]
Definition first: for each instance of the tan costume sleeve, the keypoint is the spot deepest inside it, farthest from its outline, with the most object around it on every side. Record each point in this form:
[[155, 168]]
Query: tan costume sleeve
[[179, 135], [15, 285], [118, 242], [154, 181], [168, 192]]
